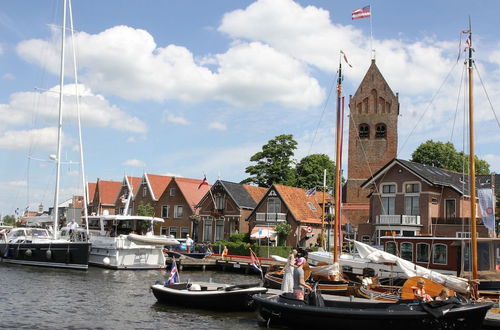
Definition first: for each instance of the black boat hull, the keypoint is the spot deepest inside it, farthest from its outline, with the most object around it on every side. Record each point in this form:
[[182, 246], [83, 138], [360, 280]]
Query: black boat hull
[[72, 255], [387, 316], [238, 299]]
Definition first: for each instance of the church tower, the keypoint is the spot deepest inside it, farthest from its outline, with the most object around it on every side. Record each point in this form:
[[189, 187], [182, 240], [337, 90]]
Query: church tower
[[373, 132]]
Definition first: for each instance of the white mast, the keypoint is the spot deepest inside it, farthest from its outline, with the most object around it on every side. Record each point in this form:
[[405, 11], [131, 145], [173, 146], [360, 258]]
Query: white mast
[[59, 132]]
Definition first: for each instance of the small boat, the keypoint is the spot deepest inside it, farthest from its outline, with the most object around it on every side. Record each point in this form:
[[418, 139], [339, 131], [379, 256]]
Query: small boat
[[359, 314], [151, 240], [205, 295]]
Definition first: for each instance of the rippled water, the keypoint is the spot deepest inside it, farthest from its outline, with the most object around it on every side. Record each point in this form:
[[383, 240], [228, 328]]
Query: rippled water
[[43, 298]]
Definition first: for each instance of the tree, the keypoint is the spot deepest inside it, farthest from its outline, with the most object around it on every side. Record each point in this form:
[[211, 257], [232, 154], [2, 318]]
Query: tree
[[274, 163], [445, 156], [9, 220], [145, 210], [309, 171], [283, 229]]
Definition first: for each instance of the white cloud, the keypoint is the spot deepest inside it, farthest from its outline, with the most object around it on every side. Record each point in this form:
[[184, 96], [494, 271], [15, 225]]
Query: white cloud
[[134, 163], [44, 139], [9, 76], [215, 125], [494, 161], [174, 119], [20, 183], [94, 108]]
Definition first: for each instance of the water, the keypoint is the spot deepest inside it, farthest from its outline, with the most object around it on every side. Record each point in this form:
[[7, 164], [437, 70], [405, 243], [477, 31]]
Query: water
[[43, 298]]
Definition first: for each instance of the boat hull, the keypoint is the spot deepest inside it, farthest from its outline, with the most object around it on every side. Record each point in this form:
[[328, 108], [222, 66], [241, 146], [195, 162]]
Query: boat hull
[[274, 310], [219, 298], [71, 255], [273, 280]]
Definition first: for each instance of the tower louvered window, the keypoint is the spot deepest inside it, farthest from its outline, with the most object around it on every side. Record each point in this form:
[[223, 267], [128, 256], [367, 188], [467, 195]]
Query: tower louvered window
[[381, 131], [364, 131]]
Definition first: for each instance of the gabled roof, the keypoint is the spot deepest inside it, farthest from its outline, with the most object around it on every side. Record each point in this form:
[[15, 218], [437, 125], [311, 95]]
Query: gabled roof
[[91, 191], [134, 182], [255, 192], [432, 175], [299, 204], [242, 194], [108, 190], [157, 184], [373, 75], [190, 191]]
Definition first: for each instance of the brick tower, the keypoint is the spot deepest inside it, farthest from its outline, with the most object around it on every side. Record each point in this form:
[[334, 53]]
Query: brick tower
[[373, 138]]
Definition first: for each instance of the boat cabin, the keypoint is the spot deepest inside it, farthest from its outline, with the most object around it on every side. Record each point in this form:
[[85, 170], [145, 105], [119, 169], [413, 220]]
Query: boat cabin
[[26, 235], [115, 225]]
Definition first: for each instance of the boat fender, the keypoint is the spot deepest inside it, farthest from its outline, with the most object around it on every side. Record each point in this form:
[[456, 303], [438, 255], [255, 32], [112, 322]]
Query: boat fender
[[106, 261], [28, 253], [48, 254], [195, 287]]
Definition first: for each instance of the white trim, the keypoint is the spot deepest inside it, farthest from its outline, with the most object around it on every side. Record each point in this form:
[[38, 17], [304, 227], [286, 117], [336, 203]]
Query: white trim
[[176, 215], [445, 208], [445, 255], [412, 193], [390, 183], [176, 230]]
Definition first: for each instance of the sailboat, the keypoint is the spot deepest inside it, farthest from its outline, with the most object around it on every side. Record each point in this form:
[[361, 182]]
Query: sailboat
[[455, 313], [38, 246]]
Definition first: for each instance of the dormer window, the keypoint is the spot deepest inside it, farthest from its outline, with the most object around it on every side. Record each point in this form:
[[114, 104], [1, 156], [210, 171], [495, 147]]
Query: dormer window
[[381, 131], [364, 131]]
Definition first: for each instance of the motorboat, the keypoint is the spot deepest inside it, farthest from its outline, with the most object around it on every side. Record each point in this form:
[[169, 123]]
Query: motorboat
[[208, 295], [116, 243]]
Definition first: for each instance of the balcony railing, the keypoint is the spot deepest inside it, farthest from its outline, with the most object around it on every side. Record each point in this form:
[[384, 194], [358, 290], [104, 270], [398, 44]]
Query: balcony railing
[[398, 219], [270, 217]]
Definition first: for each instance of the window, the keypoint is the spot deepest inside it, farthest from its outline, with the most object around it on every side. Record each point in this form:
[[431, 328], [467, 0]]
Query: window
[[365, 239], [390, 247], [439, 254], [388, 205], [172, 191], [219, 202], [407, 251], [422, 252], [273, 205], [144, 191], [207, 230], [219, 230], [311, 206], [164, 211], [364, 131], [163, 230], [463, 234], [172, 231], [184, 232], [178, 211], [412, 188], [412, 205], [389, 189], [434, 200], [380, 131], [450, 211]]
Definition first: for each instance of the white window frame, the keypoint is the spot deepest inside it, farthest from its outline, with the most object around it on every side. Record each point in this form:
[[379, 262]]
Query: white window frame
[[274, 205], [176, 211], [311, 206], [208, 236], [428, 252], [184, 232], [463, 234], [176, 230], [163, 230], [445, 254], [168, 211], [412, 195], [172, 191], [390, 196]]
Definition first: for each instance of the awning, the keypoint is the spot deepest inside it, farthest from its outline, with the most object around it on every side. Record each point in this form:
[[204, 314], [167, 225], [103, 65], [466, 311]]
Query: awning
[[259, 232]]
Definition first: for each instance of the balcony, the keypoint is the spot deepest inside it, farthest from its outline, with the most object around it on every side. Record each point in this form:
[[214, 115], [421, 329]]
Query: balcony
[[398, 220], [270, 217]]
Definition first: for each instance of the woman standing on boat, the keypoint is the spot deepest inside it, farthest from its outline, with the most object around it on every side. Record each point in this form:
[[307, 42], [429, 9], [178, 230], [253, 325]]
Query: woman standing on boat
[[287, 283], [299, 284]]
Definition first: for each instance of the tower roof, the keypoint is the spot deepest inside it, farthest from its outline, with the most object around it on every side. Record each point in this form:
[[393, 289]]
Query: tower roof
[[374, 79]]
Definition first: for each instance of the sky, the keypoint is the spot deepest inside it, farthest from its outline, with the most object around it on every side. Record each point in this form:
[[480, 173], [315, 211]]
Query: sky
[[188, 88]]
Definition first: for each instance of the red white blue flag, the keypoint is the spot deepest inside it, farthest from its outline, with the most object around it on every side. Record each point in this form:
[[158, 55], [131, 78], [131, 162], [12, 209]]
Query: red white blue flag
[[361, 12], [174, 274], [311, 192], [255, 262], [204, 181]]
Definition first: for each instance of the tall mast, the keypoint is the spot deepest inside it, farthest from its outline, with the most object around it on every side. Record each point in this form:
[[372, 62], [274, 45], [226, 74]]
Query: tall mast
[[338, 166], [59, 131], [472, 165]]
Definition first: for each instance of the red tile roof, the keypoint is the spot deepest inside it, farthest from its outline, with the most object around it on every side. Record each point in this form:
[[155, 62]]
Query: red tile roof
[[108, 190], [158, 184], [255, 192], [189, 188], [135, 182], [91, 187], [297, 202]]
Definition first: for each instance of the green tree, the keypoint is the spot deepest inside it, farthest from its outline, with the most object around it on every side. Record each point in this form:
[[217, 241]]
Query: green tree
[[283, 229], [309, 171], [9, 220], [444, 155], [274, 163], [146, 210]]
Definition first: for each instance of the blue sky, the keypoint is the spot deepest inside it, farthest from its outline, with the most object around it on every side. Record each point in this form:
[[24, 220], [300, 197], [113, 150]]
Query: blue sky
[[187, 87]]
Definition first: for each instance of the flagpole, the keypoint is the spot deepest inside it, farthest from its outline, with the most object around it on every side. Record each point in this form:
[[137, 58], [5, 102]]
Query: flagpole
[[371, 34]]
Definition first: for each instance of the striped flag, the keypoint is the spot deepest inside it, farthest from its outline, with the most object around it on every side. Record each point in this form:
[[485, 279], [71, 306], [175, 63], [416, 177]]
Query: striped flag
[[361, 12], [311, 192], [174, 274], [255, 261], [203, 182]]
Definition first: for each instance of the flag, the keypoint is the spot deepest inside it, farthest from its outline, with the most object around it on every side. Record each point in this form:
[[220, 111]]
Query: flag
[[311, 192], [361, 12], [174, 274], [467, 43], [485, 197], [204, 181], [255, 262], [345, 58]]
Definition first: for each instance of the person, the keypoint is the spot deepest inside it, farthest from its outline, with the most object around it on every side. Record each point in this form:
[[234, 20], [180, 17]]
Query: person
[[443, 295], [419, 291], [299, 284], [189, 243], [287, 283], [225, 252]]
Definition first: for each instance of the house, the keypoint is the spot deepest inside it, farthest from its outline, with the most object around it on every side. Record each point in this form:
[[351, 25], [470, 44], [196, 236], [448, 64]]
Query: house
[[90, 191], [224, 209], [177, 205], [410, 199], [149, 191], [291, 205], [125, 196], [104, 198]]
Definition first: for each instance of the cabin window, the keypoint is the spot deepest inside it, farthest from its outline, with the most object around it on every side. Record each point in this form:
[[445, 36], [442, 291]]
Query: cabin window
[[144, 191], [380, 131], [439, 254], [364, 131], [219, 202], [172, 191], [390, 247], [172, 231], [450, 211], [164, 211], [219, 230], [407, 251], [207, 230], [273, 205], [178, 211], [184, 232], [422, 252]]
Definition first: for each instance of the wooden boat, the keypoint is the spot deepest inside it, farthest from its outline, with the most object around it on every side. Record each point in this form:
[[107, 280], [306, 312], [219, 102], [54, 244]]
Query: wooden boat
[[345, 313], [204, 295]]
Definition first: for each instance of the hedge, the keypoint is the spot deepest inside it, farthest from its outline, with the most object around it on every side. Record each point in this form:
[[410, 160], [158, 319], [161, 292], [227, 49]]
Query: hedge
[[242, 249]]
